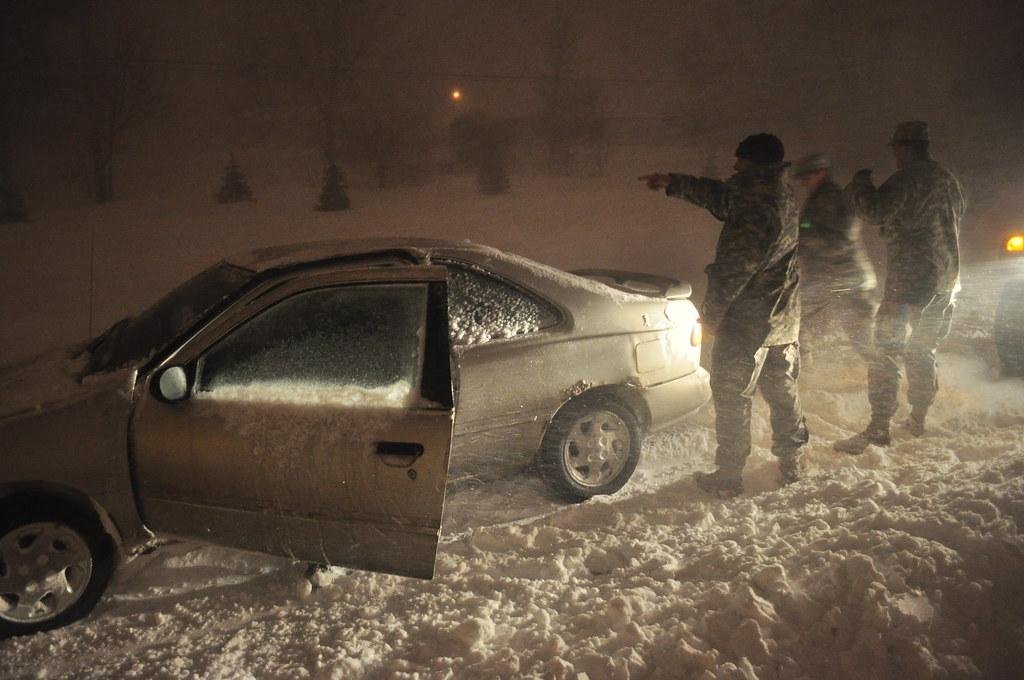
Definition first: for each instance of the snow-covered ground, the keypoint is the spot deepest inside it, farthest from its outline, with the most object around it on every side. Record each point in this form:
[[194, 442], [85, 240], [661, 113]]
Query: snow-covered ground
[[903, 563], [900, 563]]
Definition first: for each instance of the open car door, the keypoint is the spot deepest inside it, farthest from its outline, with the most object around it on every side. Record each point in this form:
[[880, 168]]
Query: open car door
[[312, 418]]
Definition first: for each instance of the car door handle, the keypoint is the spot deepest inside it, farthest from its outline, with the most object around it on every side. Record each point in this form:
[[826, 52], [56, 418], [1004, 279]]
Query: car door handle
[[399, 454]]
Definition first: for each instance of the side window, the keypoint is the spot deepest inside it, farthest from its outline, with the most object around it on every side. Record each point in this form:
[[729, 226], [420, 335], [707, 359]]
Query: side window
[[482, 309], [353, 345]]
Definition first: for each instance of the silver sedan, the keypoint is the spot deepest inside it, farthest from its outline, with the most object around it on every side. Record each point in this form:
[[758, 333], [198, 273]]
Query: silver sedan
[[307, 401]]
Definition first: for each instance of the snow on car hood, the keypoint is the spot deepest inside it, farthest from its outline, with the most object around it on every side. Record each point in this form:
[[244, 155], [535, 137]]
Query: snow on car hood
[[51, 379]]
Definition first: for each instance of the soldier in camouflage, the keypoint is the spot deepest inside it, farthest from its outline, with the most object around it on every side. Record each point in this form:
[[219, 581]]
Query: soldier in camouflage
[[751, 307], [919, 209], [837, 280]]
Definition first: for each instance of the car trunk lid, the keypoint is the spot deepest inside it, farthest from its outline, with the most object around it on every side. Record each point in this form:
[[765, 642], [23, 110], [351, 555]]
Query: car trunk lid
[[651, 285]]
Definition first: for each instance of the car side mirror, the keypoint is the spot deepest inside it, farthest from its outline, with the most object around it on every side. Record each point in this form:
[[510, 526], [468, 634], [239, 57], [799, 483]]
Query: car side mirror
[[173, 384]]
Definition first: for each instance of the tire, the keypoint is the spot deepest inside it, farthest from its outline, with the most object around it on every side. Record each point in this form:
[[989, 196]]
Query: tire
[[606, 428], [1009, 329], [67, 562]]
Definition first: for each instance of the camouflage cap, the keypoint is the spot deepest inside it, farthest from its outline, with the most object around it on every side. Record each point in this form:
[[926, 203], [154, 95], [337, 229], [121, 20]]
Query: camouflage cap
[[910, 131], [811, 164]]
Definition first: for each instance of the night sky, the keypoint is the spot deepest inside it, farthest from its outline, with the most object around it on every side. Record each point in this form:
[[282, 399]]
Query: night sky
[[581, 97], [230, 76]]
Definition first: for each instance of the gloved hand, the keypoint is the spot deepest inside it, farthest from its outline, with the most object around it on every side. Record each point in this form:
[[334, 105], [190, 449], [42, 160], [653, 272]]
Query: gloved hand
[[656, 181]]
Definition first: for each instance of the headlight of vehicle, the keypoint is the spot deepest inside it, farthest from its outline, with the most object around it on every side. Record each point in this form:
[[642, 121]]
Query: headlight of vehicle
[[1015, 244]]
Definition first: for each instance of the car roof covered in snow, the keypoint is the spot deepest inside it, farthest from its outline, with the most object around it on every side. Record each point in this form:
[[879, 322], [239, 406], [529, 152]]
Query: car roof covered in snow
[[275, 257], [419, 250], [425, 250], [602, 303]]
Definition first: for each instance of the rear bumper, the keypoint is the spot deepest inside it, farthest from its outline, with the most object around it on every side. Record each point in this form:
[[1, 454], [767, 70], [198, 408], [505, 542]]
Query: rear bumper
[[671, 401]]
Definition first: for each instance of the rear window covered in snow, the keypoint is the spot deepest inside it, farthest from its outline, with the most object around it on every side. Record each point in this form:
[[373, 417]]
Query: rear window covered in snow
[[482, 309], [355, 341]]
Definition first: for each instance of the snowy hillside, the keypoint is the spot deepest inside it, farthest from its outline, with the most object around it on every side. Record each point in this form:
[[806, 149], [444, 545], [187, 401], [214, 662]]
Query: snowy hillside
[[900, 563]]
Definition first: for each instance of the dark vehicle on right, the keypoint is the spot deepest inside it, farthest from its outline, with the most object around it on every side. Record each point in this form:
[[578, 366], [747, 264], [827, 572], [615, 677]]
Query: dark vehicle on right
[[1009, 324]]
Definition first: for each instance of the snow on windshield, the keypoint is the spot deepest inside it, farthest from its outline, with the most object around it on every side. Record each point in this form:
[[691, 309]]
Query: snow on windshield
[[140, 336], [48, 378]]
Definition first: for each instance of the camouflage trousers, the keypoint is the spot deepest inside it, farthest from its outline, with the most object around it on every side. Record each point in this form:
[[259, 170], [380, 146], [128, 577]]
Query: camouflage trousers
[[853, 310], [737, 370], [907, 334]]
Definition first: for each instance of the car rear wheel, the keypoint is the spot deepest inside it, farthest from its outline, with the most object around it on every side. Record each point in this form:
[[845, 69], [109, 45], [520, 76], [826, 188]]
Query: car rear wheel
[[55, 564], [1009, 329], [591, 447]]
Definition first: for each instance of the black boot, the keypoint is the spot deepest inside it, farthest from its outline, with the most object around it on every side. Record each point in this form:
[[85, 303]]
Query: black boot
[[791, 469], [876, 434], [915, 423], [722, 483]]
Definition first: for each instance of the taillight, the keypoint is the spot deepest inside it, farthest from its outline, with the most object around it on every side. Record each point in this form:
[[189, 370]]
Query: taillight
[[697, 334], [1015, 244]]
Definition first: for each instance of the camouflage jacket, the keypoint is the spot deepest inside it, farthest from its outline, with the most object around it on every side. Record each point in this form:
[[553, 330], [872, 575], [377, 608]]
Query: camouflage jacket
[[752, 284], [919, 209], [832, 256]]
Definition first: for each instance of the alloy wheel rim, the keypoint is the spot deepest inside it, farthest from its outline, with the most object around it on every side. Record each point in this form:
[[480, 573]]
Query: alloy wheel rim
[[596, 448], [45, 568]]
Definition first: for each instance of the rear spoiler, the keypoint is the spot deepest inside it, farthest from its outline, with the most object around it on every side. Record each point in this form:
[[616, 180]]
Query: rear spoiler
[[641, 284]]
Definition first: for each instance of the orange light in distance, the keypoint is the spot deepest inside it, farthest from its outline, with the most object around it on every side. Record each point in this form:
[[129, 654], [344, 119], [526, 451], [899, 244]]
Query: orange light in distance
[[456, 94], [1015, 244], [697, 334]]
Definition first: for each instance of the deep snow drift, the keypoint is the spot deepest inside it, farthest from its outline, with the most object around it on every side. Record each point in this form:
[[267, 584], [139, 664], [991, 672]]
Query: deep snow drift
[[900, 563]]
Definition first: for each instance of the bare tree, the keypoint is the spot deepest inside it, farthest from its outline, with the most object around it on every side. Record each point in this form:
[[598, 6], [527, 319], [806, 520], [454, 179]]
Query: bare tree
[[561, 42], [330, 40], [119, 82], [483, 142], [573, 121], [323, 47], [733, 60], [12, 205], [17, 76], [348, 51], [398, 142]]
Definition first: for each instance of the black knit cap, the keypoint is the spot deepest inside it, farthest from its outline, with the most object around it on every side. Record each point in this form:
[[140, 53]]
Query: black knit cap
[[762, 148]]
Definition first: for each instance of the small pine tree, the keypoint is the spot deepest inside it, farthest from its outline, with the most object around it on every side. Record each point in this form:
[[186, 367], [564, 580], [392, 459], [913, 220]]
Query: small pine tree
[[333, 196], [234, 187]]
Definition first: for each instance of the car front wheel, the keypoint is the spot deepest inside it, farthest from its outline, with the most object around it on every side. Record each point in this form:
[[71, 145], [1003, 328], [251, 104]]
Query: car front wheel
[[591, 447], [54, 566]]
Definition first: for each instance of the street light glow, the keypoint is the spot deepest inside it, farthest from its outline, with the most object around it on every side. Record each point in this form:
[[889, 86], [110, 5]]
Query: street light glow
[[456, 94]]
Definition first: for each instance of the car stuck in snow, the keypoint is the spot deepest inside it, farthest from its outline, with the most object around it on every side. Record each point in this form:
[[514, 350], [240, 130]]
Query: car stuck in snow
[[313, 400]]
